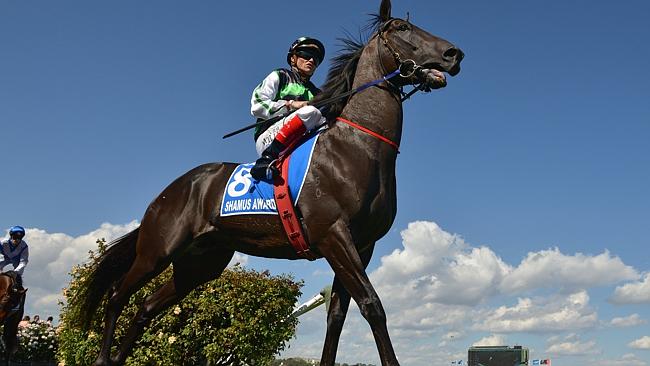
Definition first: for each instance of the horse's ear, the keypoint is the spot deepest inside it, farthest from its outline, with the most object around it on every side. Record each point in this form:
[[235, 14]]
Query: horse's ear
[[384, 10]]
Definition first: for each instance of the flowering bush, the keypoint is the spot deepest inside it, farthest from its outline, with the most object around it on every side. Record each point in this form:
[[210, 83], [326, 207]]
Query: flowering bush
[[37, 342], [242, 318]]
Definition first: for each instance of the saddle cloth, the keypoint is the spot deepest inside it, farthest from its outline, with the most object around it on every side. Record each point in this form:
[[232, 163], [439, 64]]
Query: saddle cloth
[[244, 195]]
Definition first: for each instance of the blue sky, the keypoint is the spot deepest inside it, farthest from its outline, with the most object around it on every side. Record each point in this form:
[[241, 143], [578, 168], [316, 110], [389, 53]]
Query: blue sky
[[530, 170]]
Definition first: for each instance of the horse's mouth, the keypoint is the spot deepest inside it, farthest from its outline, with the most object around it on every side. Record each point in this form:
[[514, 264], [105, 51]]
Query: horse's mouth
[[432, 76], [450, 68]]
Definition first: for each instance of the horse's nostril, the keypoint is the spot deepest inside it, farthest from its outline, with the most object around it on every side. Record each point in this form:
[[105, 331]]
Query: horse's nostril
[[452, 53]]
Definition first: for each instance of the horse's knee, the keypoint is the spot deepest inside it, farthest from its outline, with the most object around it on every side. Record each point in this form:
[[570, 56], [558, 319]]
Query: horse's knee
[[336, 317], [372, 310]]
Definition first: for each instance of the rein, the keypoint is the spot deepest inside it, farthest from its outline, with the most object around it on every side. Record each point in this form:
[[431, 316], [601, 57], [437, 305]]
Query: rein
[[405, 69]]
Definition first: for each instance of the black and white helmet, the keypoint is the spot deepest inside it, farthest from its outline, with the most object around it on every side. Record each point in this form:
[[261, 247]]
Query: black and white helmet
[[306, 43]]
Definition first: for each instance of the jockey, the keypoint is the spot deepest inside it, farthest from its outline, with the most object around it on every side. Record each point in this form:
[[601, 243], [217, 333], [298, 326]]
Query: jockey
[[15, 252], [284, 91]]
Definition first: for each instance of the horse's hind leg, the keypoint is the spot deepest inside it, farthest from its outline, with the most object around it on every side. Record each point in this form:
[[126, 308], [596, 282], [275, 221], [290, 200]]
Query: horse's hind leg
[[339, 303], [190, 271], [339, 250], [150, 261]]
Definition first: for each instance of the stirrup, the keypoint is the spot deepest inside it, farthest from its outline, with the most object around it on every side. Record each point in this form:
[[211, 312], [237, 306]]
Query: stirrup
[[270, 171]]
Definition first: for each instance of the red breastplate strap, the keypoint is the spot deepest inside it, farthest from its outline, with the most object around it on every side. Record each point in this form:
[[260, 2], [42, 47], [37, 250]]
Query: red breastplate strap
[[369, 132], [290, 222]]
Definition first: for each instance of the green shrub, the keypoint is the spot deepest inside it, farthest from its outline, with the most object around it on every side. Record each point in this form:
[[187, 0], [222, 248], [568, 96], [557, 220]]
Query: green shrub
[[238, 319]]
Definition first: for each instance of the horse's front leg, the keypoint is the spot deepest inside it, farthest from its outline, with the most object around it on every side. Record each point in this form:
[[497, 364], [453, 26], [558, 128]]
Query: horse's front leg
[[339, 250], [339, 303]]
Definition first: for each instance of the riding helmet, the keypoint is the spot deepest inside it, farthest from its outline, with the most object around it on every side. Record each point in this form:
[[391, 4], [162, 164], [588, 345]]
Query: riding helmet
[[17, 230], [309, 42]]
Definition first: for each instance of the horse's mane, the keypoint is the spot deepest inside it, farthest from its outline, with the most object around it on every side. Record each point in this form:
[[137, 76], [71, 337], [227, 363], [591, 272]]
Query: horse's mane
[[340, 76]]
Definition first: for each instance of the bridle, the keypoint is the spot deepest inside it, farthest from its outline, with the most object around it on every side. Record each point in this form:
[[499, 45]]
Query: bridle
[[407, 68], [9, 299]]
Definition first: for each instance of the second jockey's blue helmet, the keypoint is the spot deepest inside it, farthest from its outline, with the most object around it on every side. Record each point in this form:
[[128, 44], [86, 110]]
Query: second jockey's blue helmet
[[17, 231]]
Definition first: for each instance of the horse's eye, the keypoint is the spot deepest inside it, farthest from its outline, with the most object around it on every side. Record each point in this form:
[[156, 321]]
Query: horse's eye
[[403, 27]]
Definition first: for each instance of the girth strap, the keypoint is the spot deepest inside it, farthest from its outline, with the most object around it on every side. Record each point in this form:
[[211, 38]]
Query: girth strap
[[290, 221]]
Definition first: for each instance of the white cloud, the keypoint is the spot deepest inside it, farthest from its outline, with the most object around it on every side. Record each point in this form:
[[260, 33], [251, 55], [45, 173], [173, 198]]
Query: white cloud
[[436, 285], [626, 360], [552, 269], [450, 337], [633, 293], [52, 256], [540, 315], [492, 340], [434, 266], [628, 321], [437, 267], [641, 343], [571, 346], [453, 335]]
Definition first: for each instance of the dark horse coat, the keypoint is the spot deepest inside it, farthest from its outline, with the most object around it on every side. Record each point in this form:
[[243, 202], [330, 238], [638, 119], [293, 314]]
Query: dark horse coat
[[12, 307], [348, 200]]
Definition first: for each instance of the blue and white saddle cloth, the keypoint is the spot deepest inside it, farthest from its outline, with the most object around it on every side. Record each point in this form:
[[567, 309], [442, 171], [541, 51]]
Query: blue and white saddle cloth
[[246, 196]]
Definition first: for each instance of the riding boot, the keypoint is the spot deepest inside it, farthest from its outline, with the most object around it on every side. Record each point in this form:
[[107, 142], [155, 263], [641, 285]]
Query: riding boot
[[264, 168], [289, 132]]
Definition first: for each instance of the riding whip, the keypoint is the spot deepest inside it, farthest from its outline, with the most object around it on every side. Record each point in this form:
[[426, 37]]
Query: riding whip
[[318, 105]]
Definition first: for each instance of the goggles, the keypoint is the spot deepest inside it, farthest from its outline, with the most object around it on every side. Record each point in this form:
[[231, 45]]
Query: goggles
[[308, 54]]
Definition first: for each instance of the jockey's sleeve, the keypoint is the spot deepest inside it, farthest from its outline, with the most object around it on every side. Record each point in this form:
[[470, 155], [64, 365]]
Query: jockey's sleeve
[[24, 258], [263, 103], [4, 260]]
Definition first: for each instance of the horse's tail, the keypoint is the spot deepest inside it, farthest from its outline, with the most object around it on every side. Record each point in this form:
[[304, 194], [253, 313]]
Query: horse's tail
[[110, 267]]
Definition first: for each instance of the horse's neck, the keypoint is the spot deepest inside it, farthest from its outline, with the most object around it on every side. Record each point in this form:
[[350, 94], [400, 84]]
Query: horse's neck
[[376, 108]]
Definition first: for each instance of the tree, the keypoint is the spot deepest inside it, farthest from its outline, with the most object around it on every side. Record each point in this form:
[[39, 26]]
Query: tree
[[242, 318]]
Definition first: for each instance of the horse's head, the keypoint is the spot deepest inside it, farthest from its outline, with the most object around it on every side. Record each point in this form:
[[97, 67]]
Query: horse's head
[[421, 57], [10, 296]]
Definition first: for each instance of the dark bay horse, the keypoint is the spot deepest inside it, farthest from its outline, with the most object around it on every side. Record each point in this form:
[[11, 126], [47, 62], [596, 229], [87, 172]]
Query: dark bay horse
[[348, 200], [12, 307]]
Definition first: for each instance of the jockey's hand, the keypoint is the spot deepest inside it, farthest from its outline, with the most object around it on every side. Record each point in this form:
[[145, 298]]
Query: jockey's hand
[[295, 104]]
